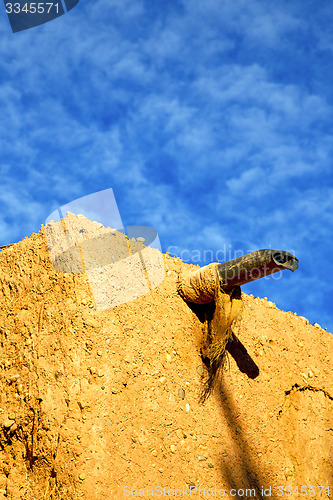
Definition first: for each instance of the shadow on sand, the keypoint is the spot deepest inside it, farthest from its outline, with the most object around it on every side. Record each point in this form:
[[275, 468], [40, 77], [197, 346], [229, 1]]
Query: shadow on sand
[[244, 478]]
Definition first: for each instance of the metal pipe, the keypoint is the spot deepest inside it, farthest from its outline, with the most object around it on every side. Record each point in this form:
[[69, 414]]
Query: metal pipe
[[200, 286], [253, 266]]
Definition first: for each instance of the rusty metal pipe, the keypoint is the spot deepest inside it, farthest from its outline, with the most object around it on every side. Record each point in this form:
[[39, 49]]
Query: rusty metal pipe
[[200, 286]]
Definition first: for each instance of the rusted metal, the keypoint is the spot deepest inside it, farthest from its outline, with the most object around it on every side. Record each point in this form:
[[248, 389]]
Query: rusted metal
[[253, 266]]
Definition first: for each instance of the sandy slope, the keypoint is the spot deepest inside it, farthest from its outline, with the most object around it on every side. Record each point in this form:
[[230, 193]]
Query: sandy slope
[[103, 404]]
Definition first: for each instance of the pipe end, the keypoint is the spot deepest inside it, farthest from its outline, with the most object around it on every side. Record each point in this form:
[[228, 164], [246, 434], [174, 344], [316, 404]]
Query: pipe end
[[285, 259]]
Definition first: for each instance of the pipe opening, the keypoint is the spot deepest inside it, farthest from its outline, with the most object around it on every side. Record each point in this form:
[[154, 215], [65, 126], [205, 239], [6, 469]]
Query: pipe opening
[[285, 259]]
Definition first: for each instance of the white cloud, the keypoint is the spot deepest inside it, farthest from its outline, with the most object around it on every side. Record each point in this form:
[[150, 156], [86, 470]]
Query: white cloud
[[249, 180]]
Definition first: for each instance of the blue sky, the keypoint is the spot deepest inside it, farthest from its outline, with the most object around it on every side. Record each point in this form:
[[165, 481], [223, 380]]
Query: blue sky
[[211, 121]]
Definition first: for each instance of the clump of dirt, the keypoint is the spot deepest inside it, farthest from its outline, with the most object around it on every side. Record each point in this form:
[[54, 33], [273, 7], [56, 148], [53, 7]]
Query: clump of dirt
[[104, 403]]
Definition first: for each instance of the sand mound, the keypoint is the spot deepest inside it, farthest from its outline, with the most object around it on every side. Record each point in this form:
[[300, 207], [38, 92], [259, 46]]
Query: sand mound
[[98, 402]]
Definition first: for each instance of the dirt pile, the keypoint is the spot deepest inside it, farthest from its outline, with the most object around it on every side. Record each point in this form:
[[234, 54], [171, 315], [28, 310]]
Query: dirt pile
[[101, 404]]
